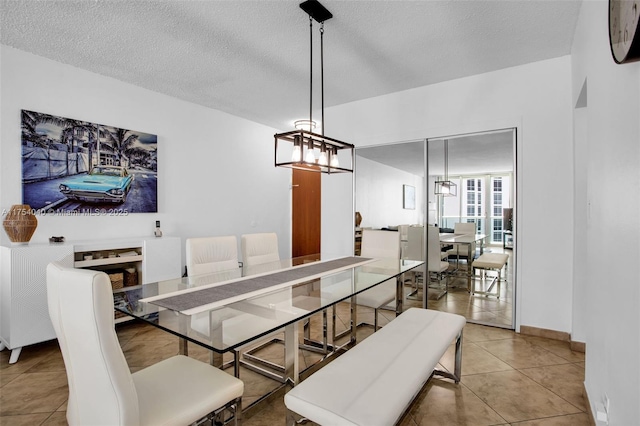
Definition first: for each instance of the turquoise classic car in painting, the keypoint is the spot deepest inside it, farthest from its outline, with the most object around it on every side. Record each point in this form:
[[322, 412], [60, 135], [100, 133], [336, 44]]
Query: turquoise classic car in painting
[[102, 184]]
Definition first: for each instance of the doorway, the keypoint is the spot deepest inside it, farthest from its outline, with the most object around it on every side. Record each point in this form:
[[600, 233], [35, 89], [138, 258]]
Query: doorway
[[305, 212]]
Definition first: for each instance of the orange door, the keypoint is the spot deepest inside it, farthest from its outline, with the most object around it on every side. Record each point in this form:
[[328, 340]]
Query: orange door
[[305, 226]]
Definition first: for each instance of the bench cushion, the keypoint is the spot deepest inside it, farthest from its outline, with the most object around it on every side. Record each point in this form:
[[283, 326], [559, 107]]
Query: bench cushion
[[491, 261], [373, 383]]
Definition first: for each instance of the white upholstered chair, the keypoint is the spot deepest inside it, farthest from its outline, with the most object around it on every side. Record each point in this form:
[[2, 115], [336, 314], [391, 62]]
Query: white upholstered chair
[[259, 248], [462, 250], [102, 390], [435, 265], [211, 254], [379, 244], [415, 251]]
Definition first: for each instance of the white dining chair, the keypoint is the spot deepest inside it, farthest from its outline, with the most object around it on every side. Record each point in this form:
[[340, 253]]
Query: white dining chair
[[102, 390], [206, 255], [379, 244], [259, 248]]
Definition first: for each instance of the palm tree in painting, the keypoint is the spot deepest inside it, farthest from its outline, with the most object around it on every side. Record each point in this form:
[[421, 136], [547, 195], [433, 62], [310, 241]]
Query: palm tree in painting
[[120, 141]]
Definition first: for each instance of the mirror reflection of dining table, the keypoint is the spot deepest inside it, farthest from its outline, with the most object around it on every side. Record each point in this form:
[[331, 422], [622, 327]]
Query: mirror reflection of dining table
[[246, 304], [467, 240]]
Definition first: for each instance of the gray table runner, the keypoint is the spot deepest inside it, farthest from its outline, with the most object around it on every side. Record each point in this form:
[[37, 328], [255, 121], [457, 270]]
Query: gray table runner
[[193, 299]]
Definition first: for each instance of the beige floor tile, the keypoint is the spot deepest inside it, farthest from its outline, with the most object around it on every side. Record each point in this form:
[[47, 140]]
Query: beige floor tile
[[7, 378], [24, 419], [34, 393], [480, 333], [564, 380], [143, 353], [30, 356], [557, 347], [581, 419], [56, 419], [475, 360], [445, 403], [516, 397], [520, 353]]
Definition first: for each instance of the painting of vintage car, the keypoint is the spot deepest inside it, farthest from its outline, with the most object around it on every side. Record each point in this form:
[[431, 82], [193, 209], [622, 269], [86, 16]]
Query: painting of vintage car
[[101, 184]]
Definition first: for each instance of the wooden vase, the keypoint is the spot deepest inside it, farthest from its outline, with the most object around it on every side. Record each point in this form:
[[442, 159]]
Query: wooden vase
[[20, 223]]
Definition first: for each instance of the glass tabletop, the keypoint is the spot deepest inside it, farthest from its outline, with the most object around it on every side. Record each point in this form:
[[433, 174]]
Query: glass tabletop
[[223, 326], [461, 238]]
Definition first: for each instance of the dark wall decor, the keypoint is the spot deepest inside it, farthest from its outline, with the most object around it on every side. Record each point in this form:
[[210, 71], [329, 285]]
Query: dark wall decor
[[75, 166]]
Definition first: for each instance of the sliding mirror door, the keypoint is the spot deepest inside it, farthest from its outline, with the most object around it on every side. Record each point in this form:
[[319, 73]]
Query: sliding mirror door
[[480, 189]]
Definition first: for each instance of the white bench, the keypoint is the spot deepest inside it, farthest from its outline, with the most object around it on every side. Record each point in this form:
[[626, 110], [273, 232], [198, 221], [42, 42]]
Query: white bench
[[375, 382], [490, 262]]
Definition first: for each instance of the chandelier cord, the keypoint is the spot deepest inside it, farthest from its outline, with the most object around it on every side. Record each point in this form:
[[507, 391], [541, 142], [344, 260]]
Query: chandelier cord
[[322, 72], [310, 72], [446, 159]]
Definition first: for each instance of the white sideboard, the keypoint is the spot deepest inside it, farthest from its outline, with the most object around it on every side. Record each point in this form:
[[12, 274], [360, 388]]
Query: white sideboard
[[24, 315]]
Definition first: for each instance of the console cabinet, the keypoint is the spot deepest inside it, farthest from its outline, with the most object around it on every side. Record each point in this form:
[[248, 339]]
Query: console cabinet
[[24, 313]]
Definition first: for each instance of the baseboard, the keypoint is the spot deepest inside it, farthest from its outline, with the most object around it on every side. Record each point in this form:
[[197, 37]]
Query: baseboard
[[554, 335], [547, 334], [578, 346]]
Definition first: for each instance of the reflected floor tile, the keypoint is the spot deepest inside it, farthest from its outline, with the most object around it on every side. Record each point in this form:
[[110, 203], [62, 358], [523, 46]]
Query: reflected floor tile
[[519, 353], [445, 403], [516, 397], [564, 380]]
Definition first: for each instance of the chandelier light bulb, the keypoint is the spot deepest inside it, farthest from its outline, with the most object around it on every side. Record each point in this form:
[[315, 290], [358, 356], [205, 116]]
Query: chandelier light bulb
[[310, 157], [323, 160], [334, 158]]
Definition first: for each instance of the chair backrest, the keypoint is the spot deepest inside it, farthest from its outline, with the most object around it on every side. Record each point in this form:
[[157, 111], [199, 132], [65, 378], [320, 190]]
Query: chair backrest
[[464, 228], [211, 254], [433, 249], [101, 389], [380, 244], [259, 248], [415, 244]]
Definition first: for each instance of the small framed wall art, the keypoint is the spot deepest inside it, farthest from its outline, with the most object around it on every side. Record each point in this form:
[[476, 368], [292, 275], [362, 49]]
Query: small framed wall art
[[408, 197]]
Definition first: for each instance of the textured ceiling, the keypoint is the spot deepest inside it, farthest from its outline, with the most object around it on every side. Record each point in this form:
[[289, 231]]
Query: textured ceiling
[[251, 58]]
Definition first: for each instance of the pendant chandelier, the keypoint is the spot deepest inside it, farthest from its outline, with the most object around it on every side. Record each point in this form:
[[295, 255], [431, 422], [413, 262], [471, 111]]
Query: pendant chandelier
[[445, 187], [297, 149]]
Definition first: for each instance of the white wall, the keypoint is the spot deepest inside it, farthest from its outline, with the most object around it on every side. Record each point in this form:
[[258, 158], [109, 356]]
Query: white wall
[[215, 172], [534, 98], [379, 195], [612, 224]]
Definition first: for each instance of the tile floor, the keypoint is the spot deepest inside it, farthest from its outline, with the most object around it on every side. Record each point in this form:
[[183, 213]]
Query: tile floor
[[476, 308], [507, 378]]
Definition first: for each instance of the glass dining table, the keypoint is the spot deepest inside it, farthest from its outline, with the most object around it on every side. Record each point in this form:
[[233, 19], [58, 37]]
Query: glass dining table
[[227, 311]]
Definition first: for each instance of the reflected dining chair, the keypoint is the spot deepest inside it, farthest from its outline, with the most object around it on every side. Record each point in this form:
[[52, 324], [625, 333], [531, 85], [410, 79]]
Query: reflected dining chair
[[379, 244], [462, 250], [102, 390], [436, 267]]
